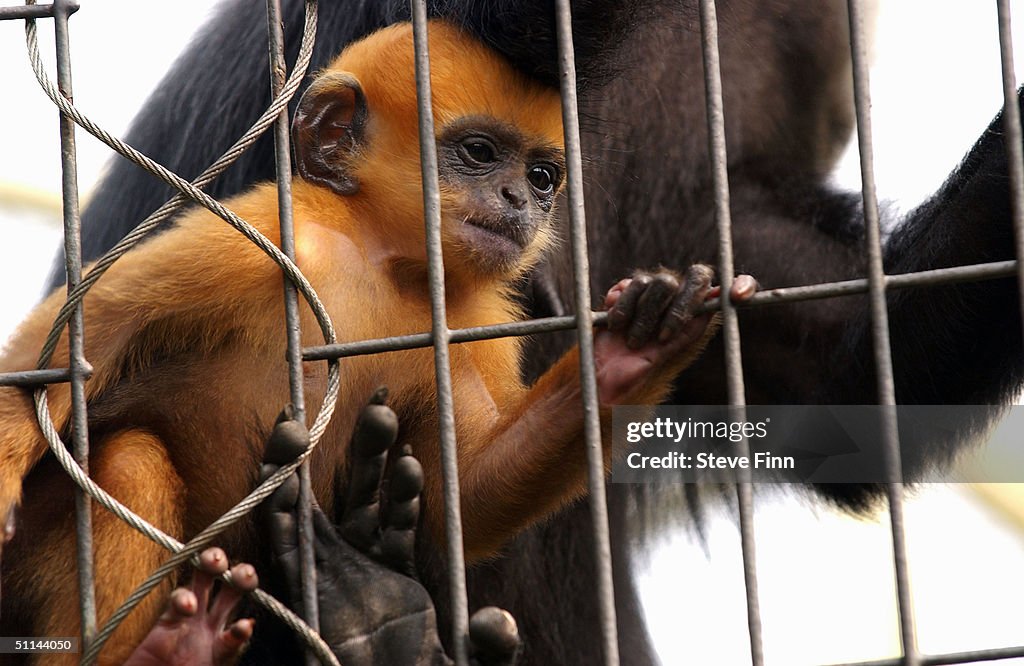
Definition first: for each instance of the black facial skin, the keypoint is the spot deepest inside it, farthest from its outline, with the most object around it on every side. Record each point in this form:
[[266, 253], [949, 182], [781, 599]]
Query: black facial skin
[[506, 184]]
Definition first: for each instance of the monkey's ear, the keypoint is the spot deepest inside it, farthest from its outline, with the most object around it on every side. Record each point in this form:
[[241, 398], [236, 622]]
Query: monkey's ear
[[328, 128]]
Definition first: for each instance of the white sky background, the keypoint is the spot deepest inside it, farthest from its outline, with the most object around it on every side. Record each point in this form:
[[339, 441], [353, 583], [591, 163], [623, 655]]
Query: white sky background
[[826, 580]]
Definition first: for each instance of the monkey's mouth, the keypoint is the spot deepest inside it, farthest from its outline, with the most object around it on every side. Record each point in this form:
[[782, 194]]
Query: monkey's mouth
[[510, 229], [500, 240]]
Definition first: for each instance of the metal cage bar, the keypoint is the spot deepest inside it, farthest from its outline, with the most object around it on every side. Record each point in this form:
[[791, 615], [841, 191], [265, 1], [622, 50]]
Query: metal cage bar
[[730, 320], [441, 337], [880, 332], [282, 156], [585, 334], [62, 10], [1012, 133]]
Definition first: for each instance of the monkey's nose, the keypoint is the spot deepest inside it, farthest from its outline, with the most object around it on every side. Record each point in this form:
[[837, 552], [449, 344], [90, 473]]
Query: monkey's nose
[[516, 199]]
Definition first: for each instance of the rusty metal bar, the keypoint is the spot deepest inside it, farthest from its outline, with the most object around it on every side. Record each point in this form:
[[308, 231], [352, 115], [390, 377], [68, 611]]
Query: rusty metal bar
[[62, 10], [293, 325], [880, 331], [730, 320], [441, 337], [585, 335]]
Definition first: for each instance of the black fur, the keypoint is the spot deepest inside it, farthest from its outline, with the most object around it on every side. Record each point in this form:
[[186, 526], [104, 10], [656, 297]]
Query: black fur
[[788, 113]]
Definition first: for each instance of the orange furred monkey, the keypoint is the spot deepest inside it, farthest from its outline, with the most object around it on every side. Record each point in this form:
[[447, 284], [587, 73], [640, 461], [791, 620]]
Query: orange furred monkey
[[186, 339]]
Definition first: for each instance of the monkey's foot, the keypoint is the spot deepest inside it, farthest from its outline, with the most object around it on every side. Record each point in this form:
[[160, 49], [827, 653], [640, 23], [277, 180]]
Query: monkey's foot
[[653, 325], [194, 631]]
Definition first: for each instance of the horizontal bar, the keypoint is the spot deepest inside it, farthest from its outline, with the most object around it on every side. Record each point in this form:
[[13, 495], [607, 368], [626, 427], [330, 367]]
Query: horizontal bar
[[930, 278], [938, 276], [970, 657], [34, 378], [420, 340], [26, 12]]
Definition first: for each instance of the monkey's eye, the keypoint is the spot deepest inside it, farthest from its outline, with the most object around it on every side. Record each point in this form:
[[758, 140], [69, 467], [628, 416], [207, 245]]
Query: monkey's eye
[[477, 150], [543, 178]]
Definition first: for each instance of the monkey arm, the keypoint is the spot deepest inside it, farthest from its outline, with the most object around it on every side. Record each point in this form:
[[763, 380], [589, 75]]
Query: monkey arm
[[530, 461]]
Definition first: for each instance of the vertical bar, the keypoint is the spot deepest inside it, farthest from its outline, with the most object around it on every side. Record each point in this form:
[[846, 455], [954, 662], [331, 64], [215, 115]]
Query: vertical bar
[[282, 153], [441, 336], [585, 333], [730, 321], [76, 327], [1012, 132], [880, 332]]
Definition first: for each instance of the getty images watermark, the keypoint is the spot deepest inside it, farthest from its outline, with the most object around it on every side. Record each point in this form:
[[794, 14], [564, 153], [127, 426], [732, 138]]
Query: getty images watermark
[[813, 444]]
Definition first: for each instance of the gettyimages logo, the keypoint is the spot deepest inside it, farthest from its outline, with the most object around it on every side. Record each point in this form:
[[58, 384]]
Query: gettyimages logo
[[807, 443]]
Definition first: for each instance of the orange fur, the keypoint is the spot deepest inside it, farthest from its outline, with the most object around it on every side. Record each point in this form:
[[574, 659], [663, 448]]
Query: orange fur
[[186, 336]]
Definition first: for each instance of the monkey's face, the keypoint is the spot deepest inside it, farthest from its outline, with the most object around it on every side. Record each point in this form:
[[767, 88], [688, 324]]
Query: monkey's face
[[499, 188]]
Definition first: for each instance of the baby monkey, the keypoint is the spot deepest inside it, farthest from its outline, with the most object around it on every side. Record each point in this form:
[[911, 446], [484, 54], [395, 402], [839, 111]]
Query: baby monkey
[[185, 334]]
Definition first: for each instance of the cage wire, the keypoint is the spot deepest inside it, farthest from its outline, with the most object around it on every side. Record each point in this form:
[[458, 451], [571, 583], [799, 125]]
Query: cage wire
[[875, 285]]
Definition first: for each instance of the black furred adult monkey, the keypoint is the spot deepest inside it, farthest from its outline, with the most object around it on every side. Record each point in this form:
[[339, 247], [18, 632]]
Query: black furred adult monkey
[[184, 373], [788, 114]]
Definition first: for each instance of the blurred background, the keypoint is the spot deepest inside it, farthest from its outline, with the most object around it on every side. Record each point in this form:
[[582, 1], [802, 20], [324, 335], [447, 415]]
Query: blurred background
[[826, 579]]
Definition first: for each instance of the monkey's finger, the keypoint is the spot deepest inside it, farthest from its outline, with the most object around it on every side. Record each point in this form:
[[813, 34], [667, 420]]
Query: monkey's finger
[[613, 294], [212, 563], [743, 287], [287, 441], [494, 637], [280, 523], [279, 517], [398, 537], [182, 604], [650, 309], [693, 293], [230, 642], [243, 581], [621, 314], [375, 432]]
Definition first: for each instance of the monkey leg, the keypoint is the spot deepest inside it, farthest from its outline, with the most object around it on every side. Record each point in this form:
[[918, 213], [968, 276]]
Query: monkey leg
[[132, 466]]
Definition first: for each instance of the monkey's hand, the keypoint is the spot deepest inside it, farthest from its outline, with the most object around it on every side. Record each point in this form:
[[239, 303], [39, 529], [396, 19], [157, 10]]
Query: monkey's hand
[[372, 609], [653, 330]]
